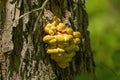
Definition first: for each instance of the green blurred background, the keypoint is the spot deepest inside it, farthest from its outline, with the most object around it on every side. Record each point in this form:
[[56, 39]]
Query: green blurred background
[[104, 27]]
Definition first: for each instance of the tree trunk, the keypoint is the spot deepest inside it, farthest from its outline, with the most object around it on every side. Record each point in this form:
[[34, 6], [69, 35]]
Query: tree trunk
[[22, 53]]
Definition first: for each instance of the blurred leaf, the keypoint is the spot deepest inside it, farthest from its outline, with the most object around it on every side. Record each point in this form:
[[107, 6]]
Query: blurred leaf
[[103, 72]]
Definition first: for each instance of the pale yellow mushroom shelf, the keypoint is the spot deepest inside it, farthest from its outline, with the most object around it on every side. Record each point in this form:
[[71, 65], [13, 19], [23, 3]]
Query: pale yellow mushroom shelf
[[62, 42]]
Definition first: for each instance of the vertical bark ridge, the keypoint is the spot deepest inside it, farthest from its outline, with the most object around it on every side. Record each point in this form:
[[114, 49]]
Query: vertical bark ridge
[[3, 67]]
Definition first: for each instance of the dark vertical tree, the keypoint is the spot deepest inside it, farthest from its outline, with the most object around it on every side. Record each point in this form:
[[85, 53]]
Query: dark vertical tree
[[22, 50]]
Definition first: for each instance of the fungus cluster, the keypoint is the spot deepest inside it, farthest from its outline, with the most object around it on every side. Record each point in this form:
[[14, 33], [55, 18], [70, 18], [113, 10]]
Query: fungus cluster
[[62, 42]]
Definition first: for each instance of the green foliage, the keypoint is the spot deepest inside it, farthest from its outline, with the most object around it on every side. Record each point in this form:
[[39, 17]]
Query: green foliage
[[104, 30]]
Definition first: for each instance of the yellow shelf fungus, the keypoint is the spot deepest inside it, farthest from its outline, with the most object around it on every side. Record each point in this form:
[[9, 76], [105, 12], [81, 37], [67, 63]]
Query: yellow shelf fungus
[[62, 42]]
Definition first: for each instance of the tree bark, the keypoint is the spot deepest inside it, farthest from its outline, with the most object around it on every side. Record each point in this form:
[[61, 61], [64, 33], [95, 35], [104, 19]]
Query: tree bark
[[22, 53]]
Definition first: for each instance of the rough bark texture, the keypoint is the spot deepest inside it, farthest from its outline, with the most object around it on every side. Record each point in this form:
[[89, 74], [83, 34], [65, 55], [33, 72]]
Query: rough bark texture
[[22, 54]]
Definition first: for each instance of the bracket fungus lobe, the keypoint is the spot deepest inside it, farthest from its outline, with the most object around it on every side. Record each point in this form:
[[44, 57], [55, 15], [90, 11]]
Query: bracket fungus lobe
[[62, 42]]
